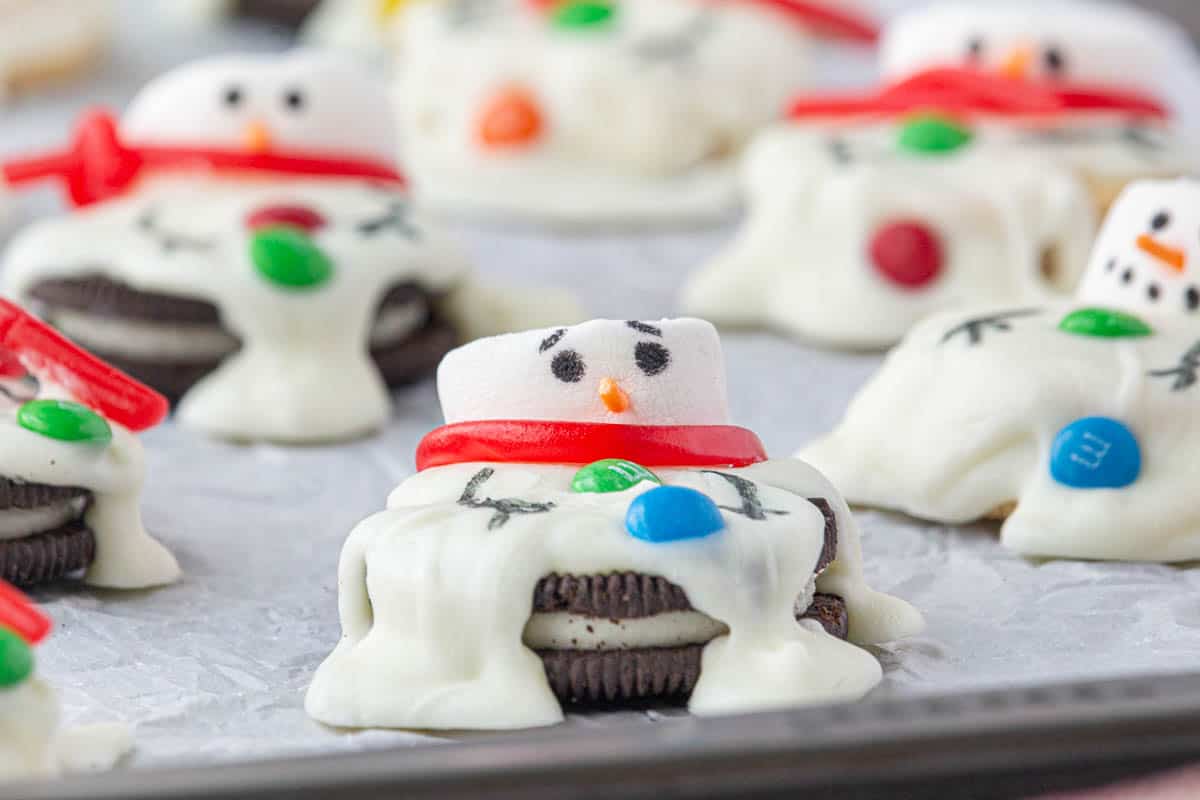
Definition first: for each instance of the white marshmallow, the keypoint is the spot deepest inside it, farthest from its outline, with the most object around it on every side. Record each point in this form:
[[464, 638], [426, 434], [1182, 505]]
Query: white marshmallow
[[1148, 255], [303, 102], [670, 372]]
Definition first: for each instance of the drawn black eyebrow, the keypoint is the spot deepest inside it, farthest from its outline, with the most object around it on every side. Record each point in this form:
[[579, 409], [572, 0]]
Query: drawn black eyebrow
[[642, 327], [552, 340]]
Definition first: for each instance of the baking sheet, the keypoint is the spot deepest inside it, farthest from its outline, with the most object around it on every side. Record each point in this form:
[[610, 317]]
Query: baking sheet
[[213, 670]]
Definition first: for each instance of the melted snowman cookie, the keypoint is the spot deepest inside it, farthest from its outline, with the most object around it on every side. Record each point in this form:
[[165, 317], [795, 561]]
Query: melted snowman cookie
[[629, 111], [242, 249], [855, 235], [1074, 418], [591, 530]]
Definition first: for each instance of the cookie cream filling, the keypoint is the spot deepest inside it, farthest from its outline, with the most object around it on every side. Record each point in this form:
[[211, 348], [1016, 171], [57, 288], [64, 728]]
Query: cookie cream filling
[[141, 339], [16, 523], [33, 746], [561, 630]]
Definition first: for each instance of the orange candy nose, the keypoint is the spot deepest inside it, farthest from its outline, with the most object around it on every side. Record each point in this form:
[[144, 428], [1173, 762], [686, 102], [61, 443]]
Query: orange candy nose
[[256, 137], [614, 397], [1017, 64], [1173, 257], [512, 118]]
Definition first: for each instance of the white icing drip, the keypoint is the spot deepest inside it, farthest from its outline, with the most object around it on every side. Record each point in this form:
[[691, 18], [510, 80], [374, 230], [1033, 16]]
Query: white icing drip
[[173, 341], [33, 746], [565, 631], [642, 121], [433, 604], [303, 373], [16, 523], [949, 432], [802, 261], [126, 556]]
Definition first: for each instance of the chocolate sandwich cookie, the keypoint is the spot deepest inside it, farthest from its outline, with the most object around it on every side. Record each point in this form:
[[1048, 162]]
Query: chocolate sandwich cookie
[[170, 342], [628, 637], [282, 13], [42, 533]]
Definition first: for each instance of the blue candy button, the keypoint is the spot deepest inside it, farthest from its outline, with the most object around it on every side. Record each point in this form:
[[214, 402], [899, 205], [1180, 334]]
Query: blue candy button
[[1095, 453], [672, 513]]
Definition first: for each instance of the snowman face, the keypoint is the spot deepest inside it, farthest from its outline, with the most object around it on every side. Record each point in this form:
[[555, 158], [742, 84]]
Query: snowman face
[[301, 103], [1097, 44], [670, 372], [1148, 255], [656, 87]]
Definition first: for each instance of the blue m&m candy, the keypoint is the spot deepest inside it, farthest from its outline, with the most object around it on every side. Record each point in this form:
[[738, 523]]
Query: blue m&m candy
[[1096, 453], [673, 513]]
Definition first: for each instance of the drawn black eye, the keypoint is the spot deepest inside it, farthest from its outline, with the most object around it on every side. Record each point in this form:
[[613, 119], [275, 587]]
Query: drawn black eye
[[294, 100], [1055, 60], [975, 49], [568, 367], [1161, 220], [1192, 298], [651, 357], [233, 96]]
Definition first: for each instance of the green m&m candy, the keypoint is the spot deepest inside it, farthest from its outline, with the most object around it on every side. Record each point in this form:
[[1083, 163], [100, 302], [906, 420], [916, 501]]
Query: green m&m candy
[[933, 135], [16, 659], [1104, 323], [611, 475], [65, 421], [577, 14], [287, 257]]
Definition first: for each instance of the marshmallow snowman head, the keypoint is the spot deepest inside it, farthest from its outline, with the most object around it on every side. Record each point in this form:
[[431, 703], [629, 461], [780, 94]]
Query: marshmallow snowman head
[[1147, 257], [1110, 45], [302, 103], [669, 372]]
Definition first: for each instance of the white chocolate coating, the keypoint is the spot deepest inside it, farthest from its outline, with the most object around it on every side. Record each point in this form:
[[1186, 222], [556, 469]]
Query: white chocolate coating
[[33, 746], [434, 604], [642, 119], [127, 557], [671, 372], [818, 198]]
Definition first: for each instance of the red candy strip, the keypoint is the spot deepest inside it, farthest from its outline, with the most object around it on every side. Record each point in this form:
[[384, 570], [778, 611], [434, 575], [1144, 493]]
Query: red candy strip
[[968, 91], [538, 442], [46, 353], [98, 166], [826, 20], [20, 614]]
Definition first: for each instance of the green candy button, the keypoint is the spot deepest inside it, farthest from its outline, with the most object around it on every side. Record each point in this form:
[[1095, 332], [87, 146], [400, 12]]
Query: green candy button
[[287, 257], [611, 475], [933, 135], [16, 659], [583, 14], [65, 421], [1104, 323]]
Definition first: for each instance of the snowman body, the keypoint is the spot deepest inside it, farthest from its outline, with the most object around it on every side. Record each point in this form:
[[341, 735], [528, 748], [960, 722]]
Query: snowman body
[[636, 116], [854, 235], [450, 612], [1072, 419]]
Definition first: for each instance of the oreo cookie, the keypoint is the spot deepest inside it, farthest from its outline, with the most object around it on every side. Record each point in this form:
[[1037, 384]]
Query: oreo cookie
[[46, 537], [601, 667], [171, 342]]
